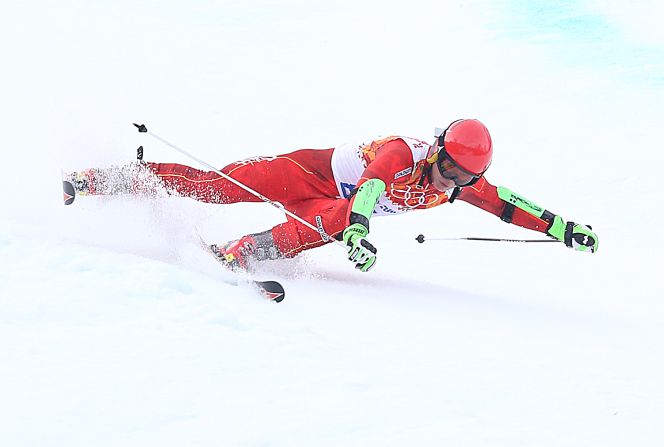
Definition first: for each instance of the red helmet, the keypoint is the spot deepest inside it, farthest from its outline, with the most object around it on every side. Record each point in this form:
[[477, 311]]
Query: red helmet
[[468, 144]]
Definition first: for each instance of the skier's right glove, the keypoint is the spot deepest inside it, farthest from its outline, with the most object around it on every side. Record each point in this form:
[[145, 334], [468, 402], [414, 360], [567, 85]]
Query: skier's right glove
[[574, 235], [360, 250]]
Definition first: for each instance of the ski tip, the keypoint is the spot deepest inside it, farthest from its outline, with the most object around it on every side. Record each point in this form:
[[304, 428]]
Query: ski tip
[[271, 290], [68, 192]]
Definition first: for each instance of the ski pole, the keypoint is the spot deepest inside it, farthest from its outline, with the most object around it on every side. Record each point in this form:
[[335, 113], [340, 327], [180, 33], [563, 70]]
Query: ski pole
[[421, 239], [142, 129]]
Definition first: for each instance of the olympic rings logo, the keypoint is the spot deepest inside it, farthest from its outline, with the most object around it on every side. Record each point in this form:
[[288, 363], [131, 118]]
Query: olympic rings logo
[[417, 197]]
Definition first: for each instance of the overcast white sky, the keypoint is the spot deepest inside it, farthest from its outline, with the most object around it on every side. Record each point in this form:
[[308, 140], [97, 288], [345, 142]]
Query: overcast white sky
[[572, 93]]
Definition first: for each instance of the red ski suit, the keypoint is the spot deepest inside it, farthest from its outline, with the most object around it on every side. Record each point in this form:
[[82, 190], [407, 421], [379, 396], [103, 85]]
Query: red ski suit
[[304, 183]]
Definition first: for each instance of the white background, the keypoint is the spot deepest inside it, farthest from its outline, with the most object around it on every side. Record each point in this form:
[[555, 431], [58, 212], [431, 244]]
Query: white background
[[117, 330]]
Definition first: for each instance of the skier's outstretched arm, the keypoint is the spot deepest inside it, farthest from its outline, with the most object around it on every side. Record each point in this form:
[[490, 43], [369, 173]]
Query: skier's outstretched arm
[[514, 208]]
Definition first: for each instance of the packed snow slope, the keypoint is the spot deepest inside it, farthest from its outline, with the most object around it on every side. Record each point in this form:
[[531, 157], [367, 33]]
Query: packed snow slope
[[116, 329]]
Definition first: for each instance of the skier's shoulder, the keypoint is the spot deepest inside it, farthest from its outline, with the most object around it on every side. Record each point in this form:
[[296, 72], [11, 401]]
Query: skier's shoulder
[[398, 151], [398, 143], [382, 140], [400, 140], [412, 141], [413, 148]]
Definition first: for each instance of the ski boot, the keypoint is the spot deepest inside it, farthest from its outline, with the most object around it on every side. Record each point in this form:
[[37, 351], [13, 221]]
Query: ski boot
[[132, 178], [81, 181], [238, 255], [77, 184], [105, 181]]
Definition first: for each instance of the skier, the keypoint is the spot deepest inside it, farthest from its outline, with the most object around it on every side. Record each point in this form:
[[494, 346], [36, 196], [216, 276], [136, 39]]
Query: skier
[[339, 189]]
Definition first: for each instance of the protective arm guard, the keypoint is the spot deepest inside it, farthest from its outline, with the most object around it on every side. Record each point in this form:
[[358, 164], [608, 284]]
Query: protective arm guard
[[577, 236], [365, 201], [514, 200], [360, 250]]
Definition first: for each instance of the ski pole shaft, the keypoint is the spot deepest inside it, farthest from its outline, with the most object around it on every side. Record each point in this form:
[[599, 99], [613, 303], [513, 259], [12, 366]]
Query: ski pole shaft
[[421, 239], [141, 128]]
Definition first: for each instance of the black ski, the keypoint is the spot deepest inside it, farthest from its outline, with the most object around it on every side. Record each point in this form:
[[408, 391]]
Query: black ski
[[68, 192], [272, 290]]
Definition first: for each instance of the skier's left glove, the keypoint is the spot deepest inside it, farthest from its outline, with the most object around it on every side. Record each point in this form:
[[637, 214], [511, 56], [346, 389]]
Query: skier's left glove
[[574, 235], [360, 250]]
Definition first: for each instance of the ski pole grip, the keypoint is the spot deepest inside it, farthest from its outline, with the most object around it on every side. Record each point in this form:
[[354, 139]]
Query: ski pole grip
[[141, 127]]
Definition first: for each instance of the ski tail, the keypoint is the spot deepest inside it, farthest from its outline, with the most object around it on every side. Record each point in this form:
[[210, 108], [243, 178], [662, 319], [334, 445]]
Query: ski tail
[[68, 192]]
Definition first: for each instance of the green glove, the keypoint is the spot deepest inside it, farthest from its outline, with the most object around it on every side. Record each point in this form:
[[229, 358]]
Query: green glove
[[360, 250], [574, 235]]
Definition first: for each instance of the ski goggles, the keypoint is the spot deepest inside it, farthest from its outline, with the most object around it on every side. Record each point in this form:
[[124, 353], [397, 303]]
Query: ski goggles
[[449, 169]]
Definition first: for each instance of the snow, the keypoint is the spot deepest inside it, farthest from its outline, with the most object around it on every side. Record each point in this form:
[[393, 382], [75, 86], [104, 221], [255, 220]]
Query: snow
[[117, 330]]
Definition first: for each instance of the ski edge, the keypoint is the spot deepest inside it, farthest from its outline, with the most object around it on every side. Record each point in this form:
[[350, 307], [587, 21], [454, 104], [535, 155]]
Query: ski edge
[[271, 290]]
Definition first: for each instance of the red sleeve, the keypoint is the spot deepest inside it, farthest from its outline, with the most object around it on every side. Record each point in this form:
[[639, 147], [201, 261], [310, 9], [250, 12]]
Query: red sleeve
[[485, 196]]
